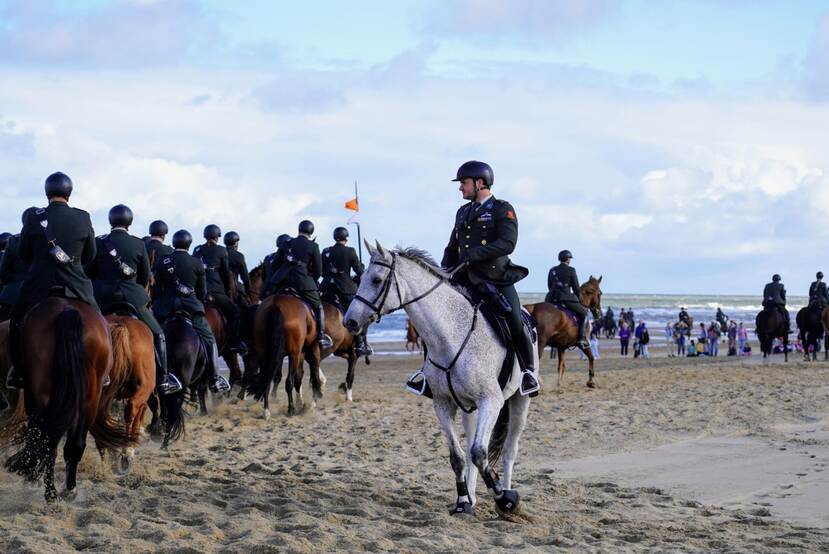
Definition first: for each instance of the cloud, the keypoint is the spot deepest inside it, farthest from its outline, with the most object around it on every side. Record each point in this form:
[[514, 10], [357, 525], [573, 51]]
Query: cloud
[[298, 93], [816, 64]]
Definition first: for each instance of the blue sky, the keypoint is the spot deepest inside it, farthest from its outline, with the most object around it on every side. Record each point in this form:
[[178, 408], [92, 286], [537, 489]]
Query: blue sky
[[673, 146]]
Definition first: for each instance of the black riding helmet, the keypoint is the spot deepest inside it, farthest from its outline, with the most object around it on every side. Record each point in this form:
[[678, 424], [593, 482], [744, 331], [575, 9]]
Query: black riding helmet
[[819, 275], [27, 212], [212, 232], [476, 170], [565, 255], [4, 240], [282, 240], [231, 237], [340, 233], [120, 216], [306, 227], [58, 184], [775, 277], [158, 228], [182, 239]]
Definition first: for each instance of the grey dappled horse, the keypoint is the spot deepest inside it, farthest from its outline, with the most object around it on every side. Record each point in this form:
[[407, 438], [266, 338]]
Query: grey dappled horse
[[459, 339]]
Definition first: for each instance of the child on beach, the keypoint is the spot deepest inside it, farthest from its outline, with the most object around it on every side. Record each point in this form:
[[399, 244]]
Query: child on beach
[[624, 338]]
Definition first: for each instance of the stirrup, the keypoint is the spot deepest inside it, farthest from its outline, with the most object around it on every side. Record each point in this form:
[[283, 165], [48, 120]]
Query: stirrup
[[364, 350], [325, 341], [240, 348], [583, 343], [530, 389], [420, 388], [220, 384], [169, 385], [107, 381]]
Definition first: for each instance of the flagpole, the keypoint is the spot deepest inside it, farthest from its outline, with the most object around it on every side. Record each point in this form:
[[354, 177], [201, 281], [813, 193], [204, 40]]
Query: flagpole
[[359, 235]]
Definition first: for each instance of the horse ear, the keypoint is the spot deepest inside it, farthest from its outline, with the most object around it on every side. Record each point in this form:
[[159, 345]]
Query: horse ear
[[369, 247], [591, 277], [600, 279], [380, 249]]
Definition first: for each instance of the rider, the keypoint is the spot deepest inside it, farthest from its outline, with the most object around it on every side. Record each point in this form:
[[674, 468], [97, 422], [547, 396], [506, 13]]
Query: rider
[[563, 287], [282, 241], [298, 266], [683, 316], [220, 285], [12, 272], [120, 274], [818, 295], [338, 261], [721, 318], [158, 232], [57, 241], [774, 294], [483, 237], [180, 285], [238, 267]]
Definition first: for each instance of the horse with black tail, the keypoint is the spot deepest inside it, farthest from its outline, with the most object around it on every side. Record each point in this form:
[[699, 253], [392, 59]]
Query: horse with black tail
[[12, 408], [67, 353], [810, 329], [770, 324], [462, 367]]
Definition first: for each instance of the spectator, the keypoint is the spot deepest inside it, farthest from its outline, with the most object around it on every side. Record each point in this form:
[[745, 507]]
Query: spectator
[[701, 348], [644, 339], [713, 339], [703, 334], [669, 339], [637, 334], [692, 349], [680, 341], [742, 339], [624, 337], [732, 338]]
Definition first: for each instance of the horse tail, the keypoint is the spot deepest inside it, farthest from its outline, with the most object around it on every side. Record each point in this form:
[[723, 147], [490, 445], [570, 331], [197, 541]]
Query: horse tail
[[274, 349], [106, 431], [173, 415], [499, 435], [69, 375]]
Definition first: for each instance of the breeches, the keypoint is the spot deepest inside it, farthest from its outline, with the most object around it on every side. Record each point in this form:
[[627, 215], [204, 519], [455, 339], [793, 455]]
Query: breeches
[[514, 321]]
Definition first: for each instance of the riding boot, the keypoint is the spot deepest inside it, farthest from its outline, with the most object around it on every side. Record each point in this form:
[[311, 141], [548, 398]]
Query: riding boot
[[14, 377], [417, 384], [524, 350], [219, 383], [237, 345], [324, 340], [362, 346], [166, 383], [582, 341]]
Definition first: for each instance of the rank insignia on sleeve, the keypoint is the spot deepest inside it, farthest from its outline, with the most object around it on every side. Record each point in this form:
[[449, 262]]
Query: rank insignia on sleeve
[[511, 215]]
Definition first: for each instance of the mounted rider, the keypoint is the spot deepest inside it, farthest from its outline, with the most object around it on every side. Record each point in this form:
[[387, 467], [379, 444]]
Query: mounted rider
[[120, 274], [269, 265], [774, 295], [483, 237], [156, 248], [57, 241], [180, 285], [13, 272], [238, 267], [564, 290], [298, 266], [684, 317], [818, 294], [220, 285], [338, 262]]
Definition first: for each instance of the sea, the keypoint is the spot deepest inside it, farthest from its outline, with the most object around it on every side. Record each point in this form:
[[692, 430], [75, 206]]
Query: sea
[[655, 309]]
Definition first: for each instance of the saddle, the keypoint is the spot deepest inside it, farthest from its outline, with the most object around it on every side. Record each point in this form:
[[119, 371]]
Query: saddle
[[569, 313], [121, 308], [334, 300]]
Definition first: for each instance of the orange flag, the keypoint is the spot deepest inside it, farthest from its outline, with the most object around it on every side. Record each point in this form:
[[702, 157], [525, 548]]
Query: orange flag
[[352, 205]]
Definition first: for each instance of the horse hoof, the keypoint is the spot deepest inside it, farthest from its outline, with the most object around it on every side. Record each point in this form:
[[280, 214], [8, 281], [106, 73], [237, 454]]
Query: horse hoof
[[323, 378], [69, 495], [462, 509], [349, 396], [508, 501], [267, 415], [342, 388], [591, 385], [126, 464]]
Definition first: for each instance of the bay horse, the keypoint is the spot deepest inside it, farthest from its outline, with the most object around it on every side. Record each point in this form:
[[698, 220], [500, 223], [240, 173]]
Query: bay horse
[[558, 331], [810, 329], [284, 326], [771, 324], [132, 378], [344, 346], [462, 367], [412, 336], [68, 353]]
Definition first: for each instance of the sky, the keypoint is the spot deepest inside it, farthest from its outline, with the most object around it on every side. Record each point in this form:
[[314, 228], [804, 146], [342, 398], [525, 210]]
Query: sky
[[672, 146]]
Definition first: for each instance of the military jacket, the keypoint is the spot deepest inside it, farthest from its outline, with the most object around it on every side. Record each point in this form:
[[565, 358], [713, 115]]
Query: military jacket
[[217, 266], [485, 235], [338, 261], [298, 265], [818, 292], [238, 269], [72, 231], [12, 272], [563, 284], [108, 281], [156, 250], [774, 292], [173, 271]]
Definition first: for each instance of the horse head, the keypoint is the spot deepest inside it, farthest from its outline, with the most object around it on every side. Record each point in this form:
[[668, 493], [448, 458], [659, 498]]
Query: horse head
[[373, 292], [256, 280], [591, 296]]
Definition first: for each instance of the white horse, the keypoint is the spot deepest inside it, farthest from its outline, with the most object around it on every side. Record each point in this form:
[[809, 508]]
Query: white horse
[[464, 360]]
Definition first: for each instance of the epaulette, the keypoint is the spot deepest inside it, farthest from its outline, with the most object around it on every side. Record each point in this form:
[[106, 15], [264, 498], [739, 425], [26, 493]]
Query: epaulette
[[40, 211]]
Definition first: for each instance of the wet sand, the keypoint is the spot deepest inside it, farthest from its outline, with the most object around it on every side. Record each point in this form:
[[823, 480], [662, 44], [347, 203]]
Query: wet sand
[[668, 454]]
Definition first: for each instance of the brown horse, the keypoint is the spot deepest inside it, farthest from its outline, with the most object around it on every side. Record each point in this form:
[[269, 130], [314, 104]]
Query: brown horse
[[344, 346], [412, 336], [132, 377], [557, 330], [13, 418], [68, 355], [284, 326], [770, 324]]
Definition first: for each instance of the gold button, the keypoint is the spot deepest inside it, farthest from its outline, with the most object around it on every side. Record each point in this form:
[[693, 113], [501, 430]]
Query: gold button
[[467, 236], [483, 242], [466, 246]]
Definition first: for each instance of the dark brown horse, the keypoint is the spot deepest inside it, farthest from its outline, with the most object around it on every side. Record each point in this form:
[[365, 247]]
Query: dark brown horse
[[68, 355], [132, 378], [284, 326], [12, 411], [557, 330], [771, 324], [810, 330], [344, 346]]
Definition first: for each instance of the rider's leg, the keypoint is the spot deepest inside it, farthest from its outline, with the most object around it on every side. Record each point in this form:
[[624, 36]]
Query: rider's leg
[[217, 382], [523, 343], [313, 298], [16, 375], [581, 312], [166, 383]]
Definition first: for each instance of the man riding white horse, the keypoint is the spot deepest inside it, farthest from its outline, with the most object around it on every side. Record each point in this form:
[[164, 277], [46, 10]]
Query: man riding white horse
[[485, 234]]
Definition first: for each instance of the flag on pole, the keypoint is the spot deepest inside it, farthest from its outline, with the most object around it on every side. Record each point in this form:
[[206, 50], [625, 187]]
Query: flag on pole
[[354, 220], [352, 205]]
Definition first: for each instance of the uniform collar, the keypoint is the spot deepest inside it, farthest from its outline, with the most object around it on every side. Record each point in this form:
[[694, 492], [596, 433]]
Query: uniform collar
[[180, 250], [117, 229]]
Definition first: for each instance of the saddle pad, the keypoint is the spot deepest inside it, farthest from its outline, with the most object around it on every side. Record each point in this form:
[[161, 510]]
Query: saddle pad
[[499, 325], [569, 313]]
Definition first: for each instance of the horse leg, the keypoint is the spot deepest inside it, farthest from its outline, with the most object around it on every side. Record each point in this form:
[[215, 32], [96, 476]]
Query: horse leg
[[51, 493], [349, 376], [590, 361], [519, 407], [232, 361], [560, 366], [202, 400], [155, 424], [488, 410], [72, 454], [445, 412], [786, 348], [313, 359], [469, 425], [289, 386]]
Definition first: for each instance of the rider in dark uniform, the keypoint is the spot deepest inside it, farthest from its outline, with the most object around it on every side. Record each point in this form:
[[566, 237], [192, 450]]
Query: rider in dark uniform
[[299, 266], [564, 290], [12, 272], [238, 267], [483, 237], [269, 264], [774, 294], [818, 294], [220, 286], [155, 244], [57, 241], [684, 317], [338, 261], [180, 285], [120, 274]]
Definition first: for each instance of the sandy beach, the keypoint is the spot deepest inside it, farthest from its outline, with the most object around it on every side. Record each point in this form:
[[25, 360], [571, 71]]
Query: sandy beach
[[668, 454]]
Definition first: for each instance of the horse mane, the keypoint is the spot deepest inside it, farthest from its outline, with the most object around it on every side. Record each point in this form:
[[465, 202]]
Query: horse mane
[[427, 262]]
